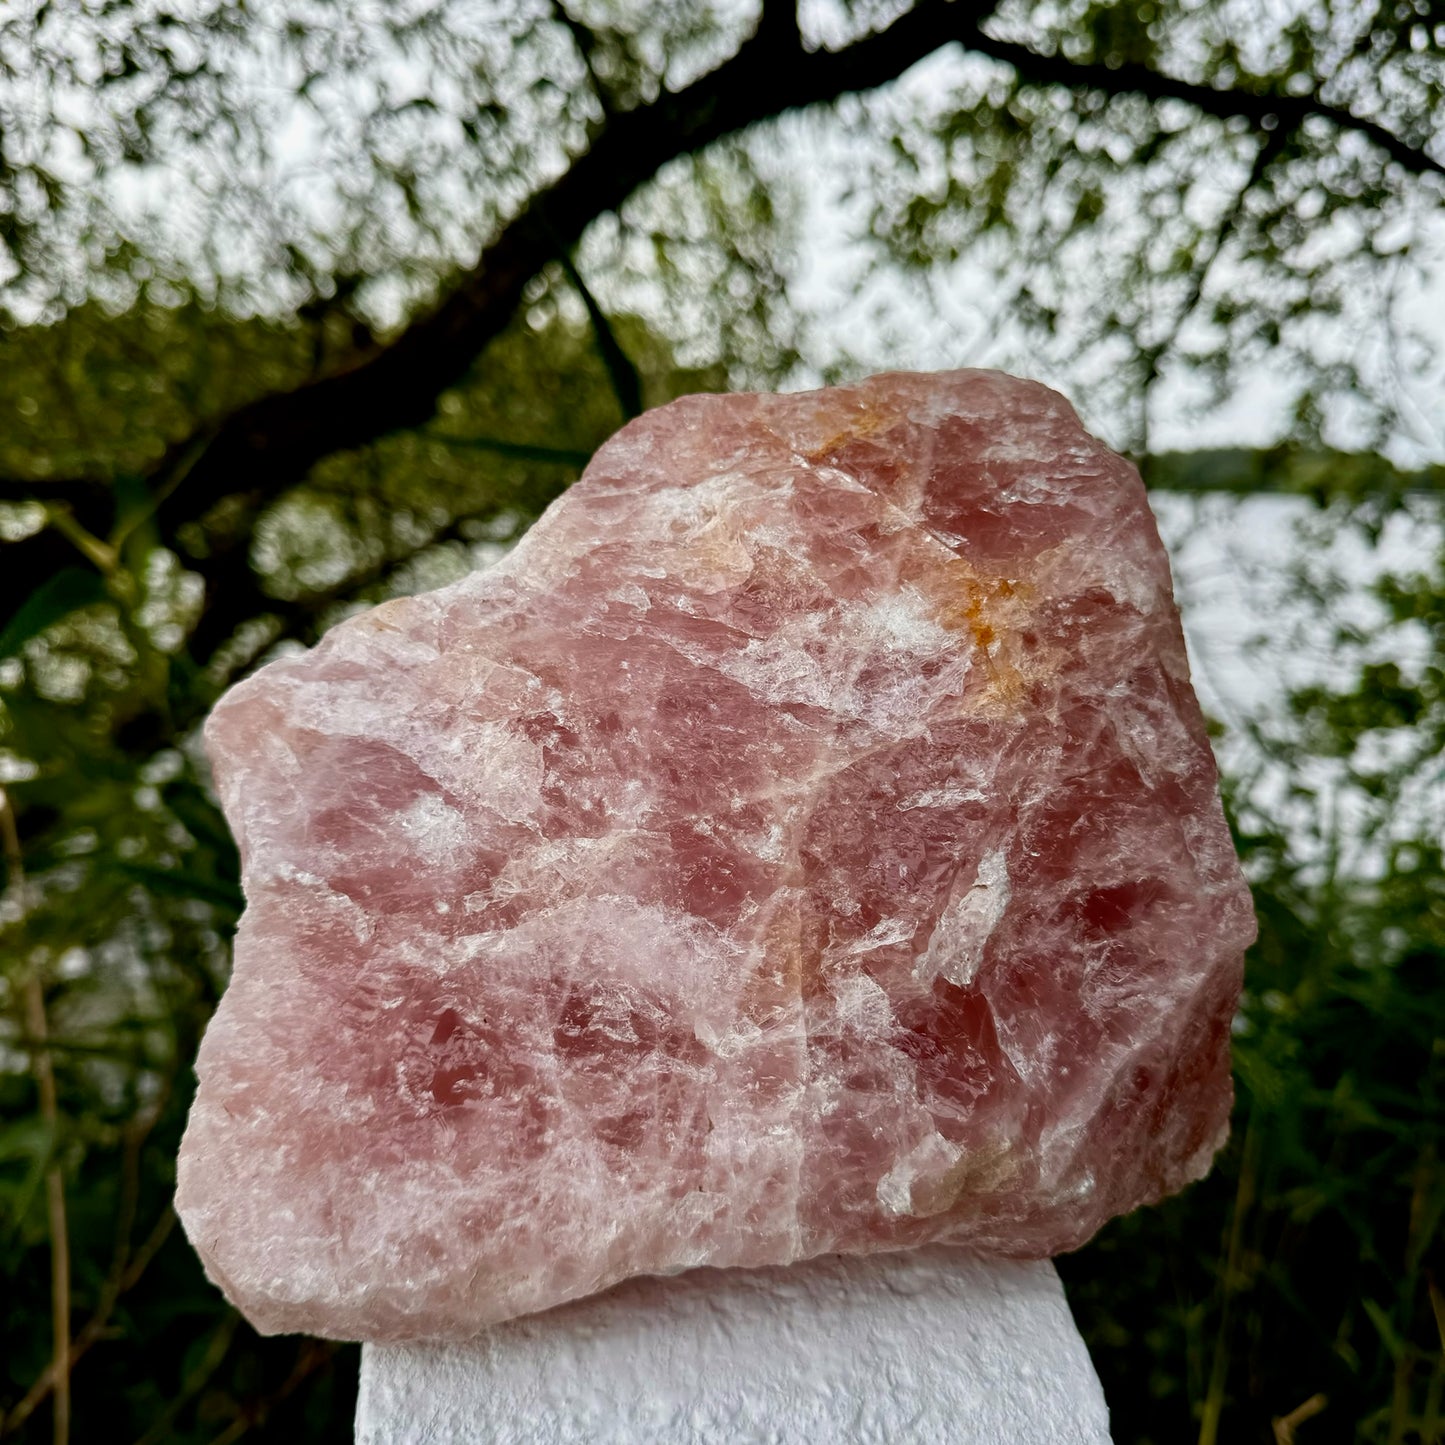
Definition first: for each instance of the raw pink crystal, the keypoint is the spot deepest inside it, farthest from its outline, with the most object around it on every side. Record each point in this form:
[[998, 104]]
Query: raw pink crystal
[[805, 841]]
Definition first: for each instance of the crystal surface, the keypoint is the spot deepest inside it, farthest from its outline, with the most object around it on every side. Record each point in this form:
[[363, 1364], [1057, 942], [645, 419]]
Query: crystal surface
[[805, 841]]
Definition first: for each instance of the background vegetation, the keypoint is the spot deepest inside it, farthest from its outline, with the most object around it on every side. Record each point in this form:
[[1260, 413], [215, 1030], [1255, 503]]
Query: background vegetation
[[301, 307]]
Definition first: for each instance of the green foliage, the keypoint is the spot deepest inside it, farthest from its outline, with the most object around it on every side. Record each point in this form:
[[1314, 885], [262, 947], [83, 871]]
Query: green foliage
[[91, 396], [57, 597]]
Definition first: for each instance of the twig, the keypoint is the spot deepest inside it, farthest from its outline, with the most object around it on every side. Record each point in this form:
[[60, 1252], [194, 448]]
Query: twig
[[41, 1064], [585, 39], [95, 1326], [195, 1382], [1285, 1425], [314, 1354], [100, 554], [300, 615], [1243, 1202], [626, 384]]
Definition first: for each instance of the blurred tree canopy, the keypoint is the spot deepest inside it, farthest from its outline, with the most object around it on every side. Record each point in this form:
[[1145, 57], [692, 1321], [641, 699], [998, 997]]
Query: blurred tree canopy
[[302, 306]]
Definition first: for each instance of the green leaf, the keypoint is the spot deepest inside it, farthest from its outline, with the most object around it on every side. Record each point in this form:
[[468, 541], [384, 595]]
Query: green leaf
[[174, 883], [29, 1142], [26, 1138], [69, 590], [1381, 1321]]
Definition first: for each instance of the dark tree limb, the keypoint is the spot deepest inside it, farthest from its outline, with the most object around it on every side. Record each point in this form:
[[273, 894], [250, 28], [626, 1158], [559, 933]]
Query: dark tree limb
[[260, 450], [778, 23]]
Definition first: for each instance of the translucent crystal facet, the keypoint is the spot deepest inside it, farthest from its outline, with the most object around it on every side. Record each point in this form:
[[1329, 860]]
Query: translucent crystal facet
[[805, 841]]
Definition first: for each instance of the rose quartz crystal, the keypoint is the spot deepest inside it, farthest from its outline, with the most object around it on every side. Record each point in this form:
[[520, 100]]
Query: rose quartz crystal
[[805, 841]]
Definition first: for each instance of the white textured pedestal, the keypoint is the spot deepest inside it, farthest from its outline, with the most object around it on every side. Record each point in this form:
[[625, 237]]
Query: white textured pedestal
[[930, 1345]]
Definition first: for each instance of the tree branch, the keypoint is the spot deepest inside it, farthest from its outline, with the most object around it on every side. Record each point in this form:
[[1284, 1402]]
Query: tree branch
[[1321, 476], [626, 384], [94, 1328], [517, 451], [587, 45], [259, 451], [298, 619], [1260, 108], [778, 23], [41, 1065], [235, 594]]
